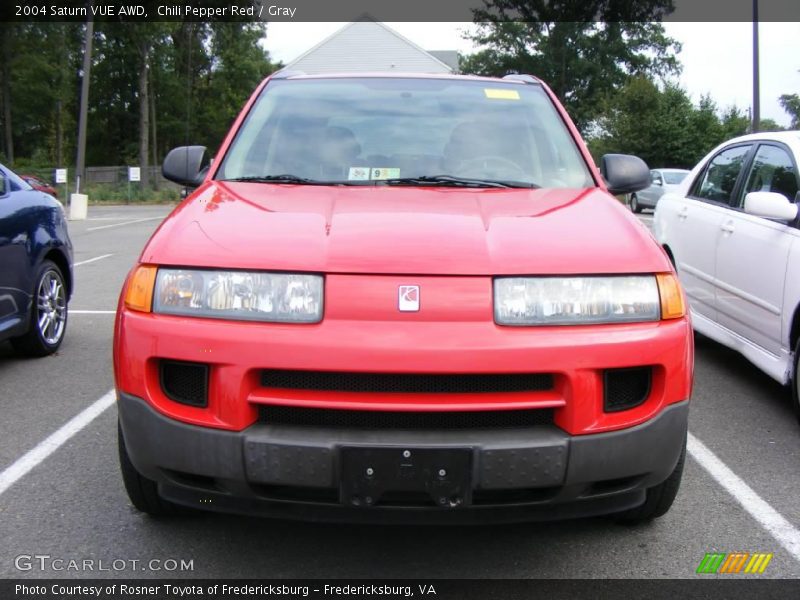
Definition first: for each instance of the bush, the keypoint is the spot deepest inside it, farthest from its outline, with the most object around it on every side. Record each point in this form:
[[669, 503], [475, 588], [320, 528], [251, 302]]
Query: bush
[[119, 194]]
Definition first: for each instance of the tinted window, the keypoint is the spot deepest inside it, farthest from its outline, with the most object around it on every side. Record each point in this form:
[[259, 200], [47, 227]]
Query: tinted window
[[719, 177], [355, 130], [773, 171]]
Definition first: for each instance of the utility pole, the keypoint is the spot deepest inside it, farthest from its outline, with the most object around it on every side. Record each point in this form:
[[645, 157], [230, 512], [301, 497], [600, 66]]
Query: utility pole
[[87, 66], [756, 122]]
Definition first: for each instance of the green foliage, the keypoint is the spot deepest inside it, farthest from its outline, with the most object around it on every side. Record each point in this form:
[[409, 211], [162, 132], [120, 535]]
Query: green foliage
[[769, 125], [44, 88], [662, 126], [584, 62], [200, 75], [791, 104], [119, 194]]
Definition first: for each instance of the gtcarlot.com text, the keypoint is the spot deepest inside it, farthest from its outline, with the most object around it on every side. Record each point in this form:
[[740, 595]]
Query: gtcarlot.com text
[[47, 562]]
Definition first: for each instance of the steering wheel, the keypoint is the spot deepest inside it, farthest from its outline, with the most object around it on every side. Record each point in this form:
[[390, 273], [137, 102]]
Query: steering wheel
[[483, 165]]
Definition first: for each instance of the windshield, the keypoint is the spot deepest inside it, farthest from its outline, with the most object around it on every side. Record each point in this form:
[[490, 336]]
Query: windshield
[[15, 182], [675, 177], [395, 130]]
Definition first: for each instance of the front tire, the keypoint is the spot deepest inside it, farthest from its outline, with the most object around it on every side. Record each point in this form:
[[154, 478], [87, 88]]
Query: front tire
[[635, 206], [659, 498], [143, 492], [48, 319], [796, 382]]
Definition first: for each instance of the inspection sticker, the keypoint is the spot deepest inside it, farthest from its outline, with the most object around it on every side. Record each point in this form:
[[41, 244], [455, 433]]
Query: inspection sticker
[[358, 174], [384, 173], [496, 94]]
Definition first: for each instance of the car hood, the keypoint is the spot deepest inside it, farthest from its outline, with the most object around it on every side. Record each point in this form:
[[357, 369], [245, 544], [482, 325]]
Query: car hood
[[404, 230]]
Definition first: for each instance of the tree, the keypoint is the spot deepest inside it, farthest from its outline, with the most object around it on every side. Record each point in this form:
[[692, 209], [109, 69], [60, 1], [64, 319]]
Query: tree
[[791, 104], [769, 125], [662, 126], [237, 67], [584, 61], [7, 33], [735, 122], [648, 122], [186, 80]]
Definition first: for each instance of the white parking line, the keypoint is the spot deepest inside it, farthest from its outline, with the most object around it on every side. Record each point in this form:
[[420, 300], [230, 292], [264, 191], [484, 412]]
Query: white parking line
[[124, 223], [28, 461], [770, 519], [776, 524], [91, 260], [92, 312]]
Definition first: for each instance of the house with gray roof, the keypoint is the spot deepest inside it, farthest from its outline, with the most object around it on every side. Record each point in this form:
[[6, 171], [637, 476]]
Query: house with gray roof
[[368, 45]]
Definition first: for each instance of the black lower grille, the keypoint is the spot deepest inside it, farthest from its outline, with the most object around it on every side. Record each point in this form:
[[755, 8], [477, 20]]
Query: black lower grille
[[626, 388], [374, 419], [185, 382], [405, 383]]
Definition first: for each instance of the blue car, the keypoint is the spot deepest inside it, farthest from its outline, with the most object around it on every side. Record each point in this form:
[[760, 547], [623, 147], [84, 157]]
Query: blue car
[[35, 267]]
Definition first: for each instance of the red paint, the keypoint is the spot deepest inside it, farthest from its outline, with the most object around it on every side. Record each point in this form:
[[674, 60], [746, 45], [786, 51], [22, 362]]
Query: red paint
[[368, 241]]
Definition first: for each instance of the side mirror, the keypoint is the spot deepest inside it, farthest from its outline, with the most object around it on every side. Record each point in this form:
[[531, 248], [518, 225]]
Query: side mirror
[[624, 174], [658, 182], [186, 165], [770, 205]]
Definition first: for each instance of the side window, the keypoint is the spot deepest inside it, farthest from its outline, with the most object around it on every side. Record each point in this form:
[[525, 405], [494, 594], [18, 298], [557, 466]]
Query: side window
[[772, 171], [3, 184], [655, 177], [717, 180]]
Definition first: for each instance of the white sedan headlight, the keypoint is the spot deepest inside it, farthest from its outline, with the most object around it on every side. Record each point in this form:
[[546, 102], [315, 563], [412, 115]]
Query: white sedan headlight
[[576, 300], [239, 295]]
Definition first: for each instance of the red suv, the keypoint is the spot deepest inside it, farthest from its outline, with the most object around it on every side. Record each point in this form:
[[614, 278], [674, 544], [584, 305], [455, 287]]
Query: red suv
[[403, 297]]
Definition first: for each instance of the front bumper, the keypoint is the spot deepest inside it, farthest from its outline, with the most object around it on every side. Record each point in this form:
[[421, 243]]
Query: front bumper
[[536, 473]]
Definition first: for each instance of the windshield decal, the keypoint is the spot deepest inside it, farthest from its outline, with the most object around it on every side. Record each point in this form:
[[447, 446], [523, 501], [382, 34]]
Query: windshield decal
[[372, 173], [495, 94]]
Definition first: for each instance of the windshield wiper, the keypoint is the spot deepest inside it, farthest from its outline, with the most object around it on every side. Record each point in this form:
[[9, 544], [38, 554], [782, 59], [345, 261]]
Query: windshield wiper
[[452, 180], [284, 178]]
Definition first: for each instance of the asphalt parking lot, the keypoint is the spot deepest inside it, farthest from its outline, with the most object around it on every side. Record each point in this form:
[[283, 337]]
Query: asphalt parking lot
[[739, 491]]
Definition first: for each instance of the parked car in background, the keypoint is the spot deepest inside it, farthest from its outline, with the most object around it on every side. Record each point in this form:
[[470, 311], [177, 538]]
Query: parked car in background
[[732, 230], [661, 182], [403, 297], [40, 185], [35, 267]]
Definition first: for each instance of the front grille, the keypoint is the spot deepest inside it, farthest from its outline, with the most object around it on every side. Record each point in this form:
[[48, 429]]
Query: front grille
[[404, 383], [626, 388], [375, 419], [184, 382]]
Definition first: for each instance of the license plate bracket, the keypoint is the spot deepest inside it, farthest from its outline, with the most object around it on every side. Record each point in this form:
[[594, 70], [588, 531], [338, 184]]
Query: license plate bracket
[[403, 476]]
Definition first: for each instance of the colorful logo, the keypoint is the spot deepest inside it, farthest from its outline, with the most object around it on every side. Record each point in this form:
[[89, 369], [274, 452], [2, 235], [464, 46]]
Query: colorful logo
[[720, 563]]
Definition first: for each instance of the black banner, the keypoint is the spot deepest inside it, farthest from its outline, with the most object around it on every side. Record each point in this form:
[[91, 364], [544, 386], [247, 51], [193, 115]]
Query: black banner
[[438, 589], [399, 10]]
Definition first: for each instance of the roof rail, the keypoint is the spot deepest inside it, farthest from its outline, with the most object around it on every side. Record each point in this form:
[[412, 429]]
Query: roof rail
[[521, 77], [286, 73]]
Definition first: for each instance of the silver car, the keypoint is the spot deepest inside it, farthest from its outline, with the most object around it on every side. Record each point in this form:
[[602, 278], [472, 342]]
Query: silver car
[[661, 182]]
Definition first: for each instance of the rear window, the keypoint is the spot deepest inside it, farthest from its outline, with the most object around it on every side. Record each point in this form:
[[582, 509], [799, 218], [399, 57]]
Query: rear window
[[362, 130]]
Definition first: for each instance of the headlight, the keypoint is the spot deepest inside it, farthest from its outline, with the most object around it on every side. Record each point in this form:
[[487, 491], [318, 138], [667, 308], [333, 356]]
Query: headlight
[[576, 300], [243, 295]]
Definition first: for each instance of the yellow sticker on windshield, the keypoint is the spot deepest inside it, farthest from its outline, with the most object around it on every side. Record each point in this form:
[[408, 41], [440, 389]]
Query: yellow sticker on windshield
[[384, 173], [496, 94]]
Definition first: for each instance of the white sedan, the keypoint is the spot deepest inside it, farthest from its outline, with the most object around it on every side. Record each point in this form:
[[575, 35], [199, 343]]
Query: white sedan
[[732, 230], [662, 181]]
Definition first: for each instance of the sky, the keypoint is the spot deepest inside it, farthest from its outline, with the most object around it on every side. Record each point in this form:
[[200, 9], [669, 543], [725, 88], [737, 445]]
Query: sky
[[716, 57]]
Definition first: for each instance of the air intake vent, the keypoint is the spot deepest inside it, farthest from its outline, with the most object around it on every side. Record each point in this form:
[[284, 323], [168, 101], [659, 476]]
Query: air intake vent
[[404, 383], [185, 382], [375, 419], [626, 388]]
